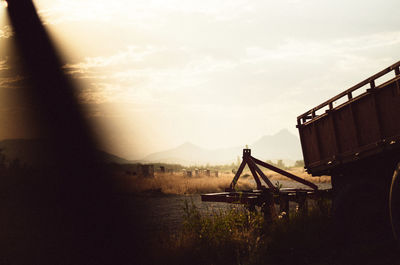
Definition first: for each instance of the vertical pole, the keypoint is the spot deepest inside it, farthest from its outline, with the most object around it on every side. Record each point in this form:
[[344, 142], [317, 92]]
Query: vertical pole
[[259, 171], [301, 197], [255, 176], [284, 204], [251, 207], [397, 70], [268, 206], [237, 175], [246, 155], [349, 95]]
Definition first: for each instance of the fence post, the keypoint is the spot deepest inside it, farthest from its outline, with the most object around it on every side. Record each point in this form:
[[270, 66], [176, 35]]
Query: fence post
[[284, 204]]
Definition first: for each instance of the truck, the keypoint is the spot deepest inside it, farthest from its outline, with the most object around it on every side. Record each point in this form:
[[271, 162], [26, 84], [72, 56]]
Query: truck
[[355, 138]]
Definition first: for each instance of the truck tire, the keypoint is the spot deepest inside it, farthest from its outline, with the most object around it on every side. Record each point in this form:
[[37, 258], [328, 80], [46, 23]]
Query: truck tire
[[394, 204], [360, 212]]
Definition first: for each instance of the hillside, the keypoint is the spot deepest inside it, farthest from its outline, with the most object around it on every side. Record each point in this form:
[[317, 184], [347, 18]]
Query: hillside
[[33, 152], [282, 145]]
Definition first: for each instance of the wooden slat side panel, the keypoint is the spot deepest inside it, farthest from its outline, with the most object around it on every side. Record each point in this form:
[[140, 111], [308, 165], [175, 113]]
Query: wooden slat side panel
[[353, 130], [346, 130], [388, 102], [302, 140], [365, 117], [326, 136], [310, 144]]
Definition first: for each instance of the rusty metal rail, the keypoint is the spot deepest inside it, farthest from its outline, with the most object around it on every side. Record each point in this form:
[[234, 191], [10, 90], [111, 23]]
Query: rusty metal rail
[[266, 197], [257, 172], [311, 114]]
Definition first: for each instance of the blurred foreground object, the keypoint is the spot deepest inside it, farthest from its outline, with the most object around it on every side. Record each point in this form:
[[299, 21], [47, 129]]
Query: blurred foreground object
[[66, 212]]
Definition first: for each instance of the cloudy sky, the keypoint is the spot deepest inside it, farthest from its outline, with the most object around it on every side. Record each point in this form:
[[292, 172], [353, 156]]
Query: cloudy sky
[[217, 73]]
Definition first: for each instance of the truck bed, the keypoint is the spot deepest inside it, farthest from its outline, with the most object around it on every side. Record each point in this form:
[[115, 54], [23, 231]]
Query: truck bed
[[365, 123]]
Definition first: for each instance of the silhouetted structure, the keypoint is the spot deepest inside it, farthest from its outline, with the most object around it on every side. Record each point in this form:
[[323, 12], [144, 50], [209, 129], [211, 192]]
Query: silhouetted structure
[[266, 197], [147, 171], [358, 144]]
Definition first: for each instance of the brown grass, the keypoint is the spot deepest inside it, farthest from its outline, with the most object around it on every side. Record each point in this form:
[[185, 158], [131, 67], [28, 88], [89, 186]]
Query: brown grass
[[300, 172], [177, 183]]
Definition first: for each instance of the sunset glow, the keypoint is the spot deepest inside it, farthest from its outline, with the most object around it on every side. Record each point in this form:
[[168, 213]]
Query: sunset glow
[[155, 74]]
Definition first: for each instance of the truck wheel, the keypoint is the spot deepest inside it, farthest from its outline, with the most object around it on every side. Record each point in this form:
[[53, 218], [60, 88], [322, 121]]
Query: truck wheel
[[360, 212], [394, 204]]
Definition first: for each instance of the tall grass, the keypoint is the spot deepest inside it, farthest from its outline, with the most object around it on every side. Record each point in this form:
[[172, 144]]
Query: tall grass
[[221, 237], [300, 172], [239, 236]]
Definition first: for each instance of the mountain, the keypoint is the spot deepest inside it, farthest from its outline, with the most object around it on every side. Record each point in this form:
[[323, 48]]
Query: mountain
[[282, 145], [185, 154], [29, 151], [111, 158], [34, 152]]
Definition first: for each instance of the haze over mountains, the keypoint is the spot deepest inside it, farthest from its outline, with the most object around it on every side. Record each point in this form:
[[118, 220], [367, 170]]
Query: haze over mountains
[[282, 145]]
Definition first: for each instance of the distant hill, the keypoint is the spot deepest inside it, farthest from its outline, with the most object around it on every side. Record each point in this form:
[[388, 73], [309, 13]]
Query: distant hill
[[110, 158], [33, 152], [185, 154], [282, 145], [29, 151]]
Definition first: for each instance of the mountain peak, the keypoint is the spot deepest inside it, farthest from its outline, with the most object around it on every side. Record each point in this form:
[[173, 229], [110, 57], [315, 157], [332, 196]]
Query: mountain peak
[[283, 132], [187, 144], [282, 145]]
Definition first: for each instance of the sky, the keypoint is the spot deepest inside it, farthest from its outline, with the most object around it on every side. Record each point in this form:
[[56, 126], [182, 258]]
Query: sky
[[155, 74]]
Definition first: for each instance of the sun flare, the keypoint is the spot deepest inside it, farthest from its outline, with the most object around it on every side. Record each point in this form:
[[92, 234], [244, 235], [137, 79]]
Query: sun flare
[[159, 73]]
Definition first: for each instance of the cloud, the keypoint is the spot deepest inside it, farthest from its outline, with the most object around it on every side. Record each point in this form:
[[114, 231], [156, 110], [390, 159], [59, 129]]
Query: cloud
[[139, 11], [295, 49], [127, 76], [188, 76], [12, 82], [3, 65], [132, 54], [183, 66], [6, 32]]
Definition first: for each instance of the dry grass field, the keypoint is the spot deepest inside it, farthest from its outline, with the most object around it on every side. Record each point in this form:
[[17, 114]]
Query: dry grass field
[[298, 171], [178, 183]]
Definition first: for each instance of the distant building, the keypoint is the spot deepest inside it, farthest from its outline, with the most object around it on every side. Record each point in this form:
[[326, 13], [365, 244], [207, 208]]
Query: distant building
[[147, 171]]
